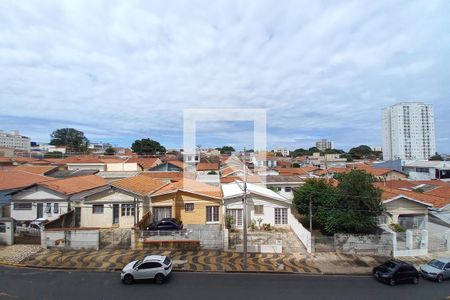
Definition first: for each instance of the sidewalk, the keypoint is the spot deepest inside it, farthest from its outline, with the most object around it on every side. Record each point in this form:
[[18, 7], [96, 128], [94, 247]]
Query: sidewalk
[[215, 261]]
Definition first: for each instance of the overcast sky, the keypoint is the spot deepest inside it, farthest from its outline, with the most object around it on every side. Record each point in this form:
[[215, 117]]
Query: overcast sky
[[123, 70]]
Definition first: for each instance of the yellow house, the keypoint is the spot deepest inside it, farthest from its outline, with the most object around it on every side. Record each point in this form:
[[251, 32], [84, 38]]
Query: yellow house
[[190, 201]]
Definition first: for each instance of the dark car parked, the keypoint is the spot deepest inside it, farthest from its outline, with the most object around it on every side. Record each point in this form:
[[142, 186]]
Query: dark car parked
[[396, 271], [166, 224]]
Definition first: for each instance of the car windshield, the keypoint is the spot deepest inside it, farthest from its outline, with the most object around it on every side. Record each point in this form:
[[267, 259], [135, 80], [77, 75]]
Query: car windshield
[[389, 265], [436, 263], [167, 261], [136, 263]]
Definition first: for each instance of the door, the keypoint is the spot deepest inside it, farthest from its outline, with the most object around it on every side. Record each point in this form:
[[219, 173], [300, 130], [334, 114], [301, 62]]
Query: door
[[148, 270], [115, 214], [160, 213], [40, 210], [447, 270]]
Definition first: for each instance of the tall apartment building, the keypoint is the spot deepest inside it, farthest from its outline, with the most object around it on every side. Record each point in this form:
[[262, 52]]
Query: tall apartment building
[[14, 140], [408, 129], [323, 144]]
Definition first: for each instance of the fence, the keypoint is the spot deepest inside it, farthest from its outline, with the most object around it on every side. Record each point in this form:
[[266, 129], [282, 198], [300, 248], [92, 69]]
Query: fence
[[410, 243]]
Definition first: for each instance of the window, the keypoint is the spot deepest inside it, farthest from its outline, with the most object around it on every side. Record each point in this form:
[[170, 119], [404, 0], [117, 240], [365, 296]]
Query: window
[[236, 214], [189, 207], [288, 189], [2, 227], [280, 216], [56, 208], [212, 214], [48, 208], [98, 208], [127, 210], [259, 209], [22, 206]]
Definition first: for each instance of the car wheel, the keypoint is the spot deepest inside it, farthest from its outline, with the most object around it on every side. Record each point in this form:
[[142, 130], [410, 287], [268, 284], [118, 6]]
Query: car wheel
[[392, 282], [159, 278], [415, 280], [128, 279], [440, 278]]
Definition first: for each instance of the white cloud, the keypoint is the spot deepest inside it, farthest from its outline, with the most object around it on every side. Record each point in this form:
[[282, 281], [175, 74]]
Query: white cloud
[[121, 69]]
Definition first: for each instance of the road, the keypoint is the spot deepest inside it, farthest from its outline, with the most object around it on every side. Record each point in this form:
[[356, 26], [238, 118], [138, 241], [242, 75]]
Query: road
[[19, 283]]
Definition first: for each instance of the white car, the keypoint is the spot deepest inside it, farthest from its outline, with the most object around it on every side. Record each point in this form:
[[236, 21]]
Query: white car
[[155, 267]]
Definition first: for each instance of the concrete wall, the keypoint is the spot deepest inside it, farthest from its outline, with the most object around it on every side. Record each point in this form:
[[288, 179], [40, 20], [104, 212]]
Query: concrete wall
[[302, 233], [378, 244], [70, 239], [119, 167], [101, 167], [6, 231]]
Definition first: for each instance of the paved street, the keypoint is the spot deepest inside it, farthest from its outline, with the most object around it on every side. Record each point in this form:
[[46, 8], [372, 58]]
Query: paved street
[[21, 283]]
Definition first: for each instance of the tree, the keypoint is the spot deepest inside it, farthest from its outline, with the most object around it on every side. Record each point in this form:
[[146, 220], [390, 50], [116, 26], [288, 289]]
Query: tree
[[226, 149], [361, 151], [313, 150], [147, 146], [436, 156], [350, 207], [73, 139], [110, 151], [295, 165], [300, 152], [54, 154]]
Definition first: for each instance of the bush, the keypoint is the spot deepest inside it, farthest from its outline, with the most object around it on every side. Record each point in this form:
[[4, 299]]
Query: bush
[[228, 221], [397, 227], [267, 227]]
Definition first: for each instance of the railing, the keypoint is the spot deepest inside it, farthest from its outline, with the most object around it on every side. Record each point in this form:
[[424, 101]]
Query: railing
[[28, 231], [184, 233]]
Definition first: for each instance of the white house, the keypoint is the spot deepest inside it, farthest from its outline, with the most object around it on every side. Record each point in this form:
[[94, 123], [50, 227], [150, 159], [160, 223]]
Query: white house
[[427, 170], [264, 205], [50, 199]]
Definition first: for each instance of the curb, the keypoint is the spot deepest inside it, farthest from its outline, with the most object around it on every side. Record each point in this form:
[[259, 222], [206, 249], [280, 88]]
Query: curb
[[62, 268]]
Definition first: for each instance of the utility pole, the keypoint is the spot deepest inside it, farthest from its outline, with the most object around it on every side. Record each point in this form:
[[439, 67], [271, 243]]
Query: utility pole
[[244, 201], [310, 214]]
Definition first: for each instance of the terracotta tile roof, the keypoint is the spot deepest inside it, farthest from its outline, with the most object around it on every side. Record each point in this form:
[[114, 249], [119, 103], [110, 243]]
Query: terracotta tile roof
[[296, 171], [191, 186], [111, 160], [6, 159], [74, 185], [145, 162], [435, 187], [23, 160], [80, 160], [177, 163], [42, 170], [250, 178], [435, 201], [174, 176], [141, 185], [332, 170], [40, 162], [207, 166], [13, 179]]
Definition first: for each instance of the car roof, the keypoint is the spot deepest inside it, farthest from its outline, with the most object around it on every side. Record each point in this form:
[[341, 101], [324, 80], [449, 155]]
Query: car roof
[[154, 258]]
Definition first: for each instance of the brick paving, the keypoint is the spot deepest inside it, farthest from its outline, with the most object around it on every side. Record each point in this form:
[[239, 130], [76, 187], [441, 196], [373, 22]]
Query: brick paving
[[196, 261]]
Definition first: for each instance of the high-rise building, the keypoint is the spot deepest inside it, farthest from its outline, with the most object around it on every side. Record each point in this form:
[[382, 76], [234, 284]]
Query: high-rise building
[[14, 140], [408, 131], [323, 144]]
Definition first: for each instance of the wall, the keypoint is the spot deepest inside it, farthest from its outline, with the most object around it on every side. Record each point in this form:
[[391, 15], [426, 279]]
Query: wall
[[302, 233], [126, 167], [105, 219], [70, 239], [268, 216], [378, 244], [37, 195], [197, 216], [404, 207], [100, 167], [7, 237]]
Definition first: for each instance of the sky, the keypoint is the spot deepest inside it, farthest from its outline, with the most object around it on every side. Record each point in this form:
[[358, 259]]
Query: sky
[[126, 70]]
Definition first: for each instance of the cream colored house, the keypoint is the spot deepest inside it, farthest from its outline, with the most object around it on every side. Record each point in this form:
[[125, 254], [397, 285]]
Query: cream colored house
[[122, 205]]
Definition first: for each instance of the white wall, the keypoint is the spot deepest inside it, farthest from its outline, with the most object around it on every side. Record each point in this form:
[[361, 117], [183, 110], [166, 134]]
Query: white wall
[[125, 167], [100, 167], [269, 208], [71, 239], [37, 195]]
